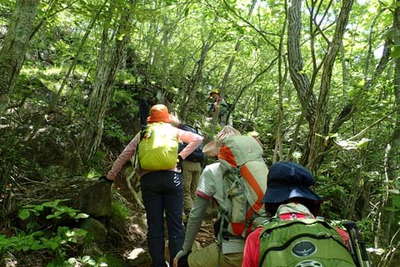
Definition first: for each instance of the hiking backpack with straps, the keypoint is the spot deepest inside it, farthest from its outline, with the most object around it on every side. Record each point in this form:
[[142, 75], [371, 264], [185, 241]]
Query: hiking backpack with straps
[[245, 182], [302, 243], [158, 147]]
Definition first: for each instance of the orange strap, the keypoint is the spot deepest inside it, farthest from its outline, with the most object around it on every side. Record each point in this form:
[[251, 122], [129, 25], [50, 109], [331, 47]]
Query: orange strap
[[226, 154], [248, 176]]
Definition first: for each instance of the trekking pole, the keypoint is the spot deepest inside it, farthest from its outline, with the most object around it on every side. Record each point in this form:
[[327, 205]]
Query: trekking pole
[[357, 245]]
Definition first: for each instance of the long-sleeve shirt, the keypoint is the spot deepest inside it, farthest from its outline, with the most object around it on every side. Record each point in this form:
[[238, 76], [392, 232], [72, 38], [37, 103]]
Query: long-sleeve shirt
[[251, 253], [193, 140]]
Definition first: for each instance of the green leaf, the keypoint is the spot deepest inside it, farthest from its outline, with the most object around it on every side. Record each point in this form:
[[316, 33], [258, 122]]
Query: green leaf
[[396, 201], [53, 245], [81, 216], [39, 207], [37, 246], [395, 53], [24, 214], [392, 209]]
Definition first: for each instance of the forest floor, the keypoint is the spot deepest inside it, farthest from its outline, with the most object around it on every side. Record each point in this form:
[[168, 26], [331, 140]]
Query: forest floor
[[126, 239], [136, 252]]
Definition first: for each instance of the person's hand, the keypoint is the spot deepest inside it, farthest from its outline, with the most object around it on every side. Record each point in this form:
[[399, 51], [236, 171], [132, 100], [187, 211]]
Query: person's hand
[[179, 164], [178, 256], [104, 179]]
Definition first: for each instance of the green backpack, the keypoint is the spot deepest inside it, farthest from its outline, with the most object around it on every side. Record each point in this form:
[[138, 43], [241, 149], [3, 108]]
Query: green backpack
[[158, 147], [245, 182], [302, 243]]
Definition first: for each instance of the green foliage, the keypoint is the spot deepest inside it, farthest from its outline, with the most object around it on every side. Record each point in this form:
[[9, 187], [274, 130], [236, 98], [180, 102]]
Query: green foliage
[[120, 212], [115, 130], [83, 261], [104, 261], [40, 240], [56, 210], [48, 238], [162, 64]]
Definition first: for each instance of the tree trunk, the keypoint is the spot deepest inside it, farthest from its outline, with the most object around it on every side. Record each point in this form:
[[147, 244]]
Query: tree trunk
[[79, 48], [300, 80], [15, 45], [196, 77], [314, 111], [278, 150], [321, 122], [233, 57], [109, 60], [392, 159], [394, 155], [255, 79]]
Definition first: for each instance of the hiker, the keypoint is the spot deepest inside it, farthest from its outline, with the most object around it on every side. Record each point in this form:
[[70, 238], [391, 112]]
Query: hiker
[[191, 169], [295, 236], [236, 183], [218, 108], [156, 150], [256, 136], [211, 149]]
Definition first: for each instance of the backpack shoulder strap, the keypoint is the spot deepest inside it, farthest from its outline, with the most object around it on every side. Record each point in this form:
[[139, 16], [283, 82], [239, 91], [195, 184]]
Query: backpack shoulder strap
[[136, 163]]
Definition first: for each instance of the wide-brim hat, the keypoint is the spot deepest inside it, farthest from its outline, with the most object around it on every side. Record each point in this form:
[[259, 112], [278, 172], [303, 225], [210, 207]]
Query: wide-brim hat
[[279, 194], [288, 180], [159, 113]]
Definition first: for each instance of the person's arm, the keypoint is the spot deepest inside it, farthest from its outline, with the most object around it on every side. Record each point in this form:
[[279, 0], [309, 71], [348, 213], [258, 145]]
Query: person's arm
[[125, 155], [205, 192], [251, 253], [194, 223], [191, 139]]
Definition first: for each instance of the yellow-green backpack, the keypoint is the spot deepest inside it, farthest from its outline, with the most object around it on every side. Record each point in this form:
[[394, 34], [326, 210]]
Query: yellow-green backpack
[[302, 243], [158, 147]]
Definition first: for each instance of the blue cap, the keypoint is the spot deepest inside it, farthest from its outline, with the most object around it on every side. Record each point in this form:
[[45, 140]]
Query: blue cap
[[288, 180]]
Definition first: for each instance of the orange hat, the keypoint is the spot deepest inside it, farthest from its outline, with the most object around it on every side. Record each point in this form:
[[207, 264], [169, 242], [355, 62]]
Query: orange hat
[[159, 113]]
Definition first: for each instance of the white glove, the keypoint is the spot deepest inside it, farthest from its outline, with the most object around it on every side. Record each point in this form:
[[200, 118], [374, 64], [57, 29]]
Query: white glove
[[179, 255]]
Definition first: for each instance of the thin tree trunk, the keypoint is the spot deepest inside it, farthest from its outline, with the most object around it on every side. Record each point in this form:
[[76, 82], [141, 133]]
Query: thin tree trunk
[[233, 57], [300, 80], [196, 77], [79, 48], [393, 149], [15, 45], [394, 155], [228, 71], [321, 124], [278, 150], [349, 109], [248, 85], [314, 111], [109, 60], [295, 138]]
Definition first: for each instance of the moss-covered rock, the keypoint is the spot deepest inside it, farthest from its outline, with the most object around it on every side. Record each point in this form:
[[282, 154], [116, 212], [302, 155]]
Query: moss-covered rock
[[96, 200], [96, 230]]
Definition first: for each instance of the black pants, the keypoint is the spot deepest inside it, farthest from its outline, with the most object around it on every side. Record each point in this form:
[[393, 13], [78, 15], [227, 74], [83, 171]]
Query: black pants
[[163, 191]]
